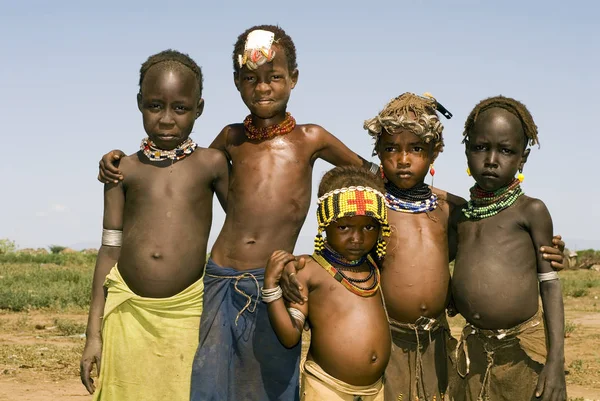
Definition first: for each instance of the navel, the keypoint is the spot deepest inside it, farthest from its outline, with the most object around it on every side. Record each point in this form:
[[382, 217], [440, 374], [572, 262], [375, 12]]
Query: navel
[[251, 242], [373, 358], [423, 307], [156, 255], [476, 316]]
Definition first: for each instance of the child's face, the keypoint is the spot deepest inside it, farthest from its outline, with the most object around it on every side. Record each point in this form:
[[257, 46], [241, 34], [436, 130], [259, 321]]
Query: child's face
[[266, 90], [353, 237], [170, 103], [496, 149], [405, 158]]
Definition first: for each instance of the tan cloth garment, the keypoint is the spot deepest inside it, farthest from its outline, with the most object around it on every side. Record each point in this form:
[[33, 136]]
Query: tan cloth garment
[[318, 385], [420, 362], [501, 365]]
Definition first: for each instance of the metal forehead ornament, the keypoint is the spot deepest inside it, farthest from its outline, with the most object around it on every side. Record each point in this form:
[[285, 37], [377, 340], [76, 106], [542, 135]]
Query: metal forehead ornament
[[257, 50]]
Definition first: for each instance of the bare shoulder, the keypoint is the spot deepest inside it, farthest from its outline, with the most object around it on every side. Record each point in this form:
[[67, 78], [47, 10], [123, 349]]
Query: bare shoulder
[[212, 157], [534, 207], [452, 200], [129, 163]]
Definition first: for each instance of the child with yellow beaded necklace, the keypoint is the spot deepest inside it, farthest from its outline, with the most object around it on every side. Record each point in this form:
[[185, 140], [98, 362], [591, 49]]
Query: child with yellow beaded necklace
[[350, 341], [505, 351]]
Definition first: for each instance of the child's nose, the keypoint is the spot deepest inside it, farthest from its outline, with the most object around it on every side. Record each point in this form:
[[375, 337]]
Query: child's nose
[[166, 117], [404, 159], [262, 87], [491, 159]]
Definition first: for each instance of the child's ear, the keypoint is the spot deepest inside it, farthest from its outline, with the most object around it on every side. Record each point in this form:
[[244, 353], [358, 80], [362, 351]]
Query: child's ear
[[236, 80], [524, 158], [139, 101], [294, 77], [200, 107]]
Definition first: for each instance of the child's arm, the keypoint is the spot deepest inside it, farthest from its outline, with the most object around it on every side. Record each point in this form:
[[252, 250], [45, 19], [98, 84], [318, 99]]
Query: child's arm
[[109, 167], [551, 383], [332, 150], [287, 328], [220, 184], [114, 201]]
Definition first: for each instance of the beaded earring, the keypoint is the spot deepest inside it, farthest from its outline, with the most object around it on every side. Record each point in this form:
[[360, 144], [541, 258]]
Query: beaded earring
[[468, 171], [431, 170], [520, 177], [381, 171]]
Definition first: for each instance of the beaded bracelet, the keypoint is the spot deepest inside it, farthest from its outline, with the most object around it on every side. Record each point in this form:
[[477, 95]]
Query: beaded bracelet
[[271, 294], [296, 314]]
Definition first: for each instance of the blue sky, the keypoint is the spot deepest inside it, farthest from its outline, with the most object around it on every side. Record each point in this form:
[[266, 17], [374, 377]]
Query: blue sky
[[69, 73]]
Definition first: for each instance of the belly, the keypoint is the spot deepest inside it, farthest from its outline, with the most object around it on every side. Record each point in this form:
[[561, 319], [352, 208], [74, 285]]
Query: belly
[[353, 344], [415, 285]]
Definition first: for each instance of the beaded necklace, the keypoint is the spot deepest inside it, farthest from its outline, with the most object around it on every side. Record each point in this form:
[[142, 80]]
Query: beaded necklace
[[348, 282], [486, 204], [417, 199], [155, 154], [331, 254], [283, 128]]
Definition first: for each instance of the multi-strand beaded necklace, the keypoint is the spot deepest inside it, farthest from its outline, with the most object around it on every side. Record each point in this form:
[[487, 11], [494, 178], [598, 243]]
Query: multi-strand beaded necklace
[[486, 204], [352, 284], [155, 154], [283, 128], [417, 199]]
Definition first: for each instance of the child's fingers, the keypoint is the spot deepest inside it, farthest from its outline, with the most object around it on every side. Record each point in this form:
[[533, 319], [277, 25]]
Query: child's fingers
[[84, 371], [539, 389], [301, 263]]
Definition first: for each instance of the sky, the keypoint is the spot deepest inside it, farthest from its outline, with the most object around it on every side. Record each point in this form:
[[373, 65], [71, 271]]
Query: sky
[[69, 72]]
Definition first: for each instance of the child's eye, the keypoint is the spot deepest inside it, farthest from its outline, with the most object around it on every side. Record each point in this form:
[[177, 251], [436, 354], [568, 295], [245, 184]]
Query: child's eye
[[154, 106], [507, 151], [479, 147], [342, 228], [180, 108], [249, 78], [418, 149], [389, 149], [370, 227], [276, 77]]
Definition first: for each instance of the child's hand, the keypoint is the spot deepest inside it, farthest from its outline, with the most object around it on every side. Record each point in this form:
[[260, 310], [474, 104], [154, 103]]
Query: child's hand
[[275, 266], [554, 254], [109, 167], [92, 354], [289, 282], [551, 384]]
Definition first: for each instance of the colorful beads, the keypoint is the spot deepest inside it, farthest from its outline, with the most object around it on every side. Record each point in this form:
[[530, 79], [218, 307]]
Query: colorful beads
[[349, 202], [283, 128], [417, 199], [350, 283], [485, 204], [520, 177], [155, 154], [431, 170]]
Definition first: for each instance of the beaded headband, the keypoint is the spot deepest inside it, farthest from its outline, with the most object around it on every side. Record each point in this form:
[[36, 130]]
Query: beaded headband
[[426, 126], [349, 202], [257, 49]]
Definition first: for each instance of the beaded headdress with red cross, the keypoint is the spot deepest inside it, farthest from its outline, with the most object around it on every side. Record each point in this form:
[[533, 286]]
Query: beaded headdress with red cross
[[349, 202]]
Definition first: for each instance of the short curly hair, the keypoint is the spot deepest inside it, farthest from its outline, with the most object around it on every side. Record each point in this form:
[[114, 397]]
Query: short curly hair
[[511, 105], [282, 39], [171, 59], [346, 176]]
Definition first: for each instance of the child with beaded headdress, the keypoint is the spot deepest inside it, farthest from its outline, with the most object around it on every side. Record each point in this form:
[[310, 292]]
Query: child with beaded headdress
[[350, 341], [509, 349], [271, 172], [156, 226]]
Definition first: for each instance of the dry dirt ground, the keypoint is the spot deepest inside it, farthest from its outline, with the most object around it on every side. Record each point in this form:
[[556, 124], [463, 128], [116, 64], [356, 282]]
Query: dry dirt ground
[[39, 353]]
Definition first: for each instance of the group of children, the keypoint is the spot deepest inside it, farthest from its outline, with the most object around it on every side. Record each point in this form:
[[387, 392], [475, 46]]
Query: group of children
[[376, 289]]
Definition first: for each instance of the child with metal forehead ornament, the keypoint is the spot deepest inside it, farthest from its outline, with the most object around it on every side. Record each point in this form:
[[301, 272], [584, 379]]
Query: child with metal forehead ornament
[[508, 349], [342, 285]]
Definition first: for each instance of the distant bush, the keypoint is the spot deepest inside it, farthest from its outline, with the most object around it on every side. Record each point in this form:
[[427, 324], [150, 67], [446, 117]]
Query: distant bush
[[7, 246], [51, 258], [57, 248]]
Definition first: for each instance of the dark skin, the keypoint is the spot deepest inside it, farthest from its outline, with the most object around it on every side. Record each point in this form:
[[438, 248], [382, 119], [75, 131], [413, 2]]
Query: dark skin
[[270, 180], [498, 290], [350, 335], [165, 233]]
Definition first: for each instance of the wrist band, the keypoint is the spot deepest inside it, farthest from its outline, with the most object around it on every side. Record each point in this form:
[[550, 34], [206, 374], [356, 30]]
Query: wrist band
[[271, 294], [296, 314]]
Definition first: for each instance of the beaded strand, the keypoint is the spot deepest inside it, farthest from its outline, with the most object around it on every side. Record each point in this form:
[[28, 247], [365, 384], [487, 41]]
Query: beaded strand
[[349, 284], [283, 128], [418, 199], [155, 154], [485, 204]]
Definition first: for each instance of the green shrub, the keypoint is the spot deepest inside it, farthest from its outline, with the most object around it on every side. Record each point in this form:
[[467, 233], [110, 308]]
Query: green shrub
[[7, 246]]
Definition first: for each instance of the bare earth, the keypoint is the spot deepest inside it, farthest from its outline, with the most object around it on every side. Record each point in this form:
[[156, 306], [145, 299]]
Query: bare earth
[[39, 359]]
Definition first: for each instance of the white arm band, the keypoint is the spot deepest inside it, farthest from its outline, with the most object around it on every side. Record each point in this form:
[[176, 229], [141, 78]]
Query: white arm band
[[271, 294], [296, 314], [547, 276], [112, 237]]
